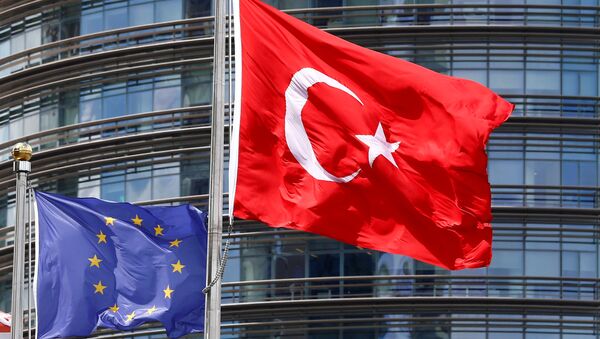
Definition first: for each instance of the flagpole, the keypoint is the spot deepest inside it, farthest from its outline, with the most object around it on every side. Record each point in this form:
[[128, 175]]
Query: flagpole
[[212, 323], [21, 153]]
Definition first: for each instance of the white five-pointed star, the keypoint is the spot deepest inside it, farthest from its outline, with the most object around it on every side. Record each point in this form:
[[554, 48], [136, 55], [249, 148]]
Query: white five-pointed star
[[378, 145]]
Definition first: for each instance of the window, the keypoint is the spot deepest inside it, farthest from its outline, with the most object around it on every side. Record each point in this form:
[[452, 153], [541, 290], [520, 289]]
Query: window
[[90, 110], [141, 14], [507, 262], [542, 172], [139, 102], [114, 106], [479, 75], [4, 48], [92, 23], [139, 190], [543, 82], [506, 172], [167, 97], [115, 18], [506, 81], [165, 187], [168, 10], [542, 263]]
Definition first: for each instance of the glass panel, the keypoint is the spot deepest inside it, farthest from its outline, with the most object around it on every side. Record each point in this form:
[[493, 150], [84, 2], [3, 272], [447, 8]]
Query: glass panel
[[51, 31], [194, 177], [168, 10], [198, 8], [89, 189], [197, 88], [4, 48], [17, 43], [16, 128], [570, 173], [570, 264], [141, 14], [290, 264], [588, 173], [542, 263], [583, 83], [69, 108], [232, 270], [479, 75], [542, 172], [31, 124], [588, 83], [139, 102], [139, 190], [113, 191], [91, 23], [506, 172], [165, 187], [4, 134], [588, 264], [33, 37], [507, 262], [543, 82], [506, 81], [325, 265], [114, 106], [166, 98], [90, 110], [115, 18], [70, 21], [255, 265]]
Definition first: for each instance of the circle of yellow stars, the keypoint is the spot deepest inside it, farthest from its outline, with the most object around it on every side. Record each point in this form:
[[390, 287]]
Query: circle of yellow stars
[[95, 262]]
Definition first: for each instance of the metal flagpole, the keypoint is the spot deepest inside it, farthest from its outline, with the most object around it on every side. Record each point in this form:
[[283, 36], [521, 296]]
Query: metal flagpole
[[21, 153], [212, 323]]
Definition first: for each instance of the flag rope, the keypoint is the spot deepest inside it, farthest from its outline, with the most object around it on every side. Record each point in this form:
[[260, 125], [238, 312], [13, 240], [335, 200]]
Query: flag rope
[[29, 256], [223, 262]]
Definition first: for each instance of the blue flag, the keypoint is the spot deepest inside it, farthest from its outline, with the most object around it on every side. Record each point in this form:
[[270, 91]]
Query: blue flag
[[118, 265]]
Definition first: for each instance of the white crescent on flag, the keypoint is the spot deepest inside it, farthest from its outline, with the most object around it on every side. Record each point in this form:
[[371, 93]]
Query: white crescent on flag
[[296, 137]]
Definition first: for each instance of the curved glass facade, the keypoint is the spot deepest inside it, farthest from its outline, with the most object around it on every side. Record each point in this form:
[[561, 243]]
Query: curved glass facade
[[114, 96]]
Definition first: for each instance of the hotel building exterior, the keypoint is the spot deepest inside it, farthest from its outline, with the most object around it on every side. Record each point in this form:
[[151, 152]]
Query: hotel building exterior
[[114, 96]]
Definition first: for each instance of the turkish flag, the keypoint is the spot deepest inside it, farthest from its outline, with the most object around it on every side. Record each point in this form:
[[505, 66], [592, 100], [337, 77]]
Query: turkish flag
[[5, 320], [359, 146]]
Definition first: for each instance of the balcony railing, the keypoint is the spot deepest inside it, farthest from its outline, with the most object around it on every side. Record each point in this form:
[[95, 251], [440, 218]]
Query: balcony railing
[[107, 40], [555, 106], [113, 127], [546, 196], [433, 286], [327, 18], [451, 14]]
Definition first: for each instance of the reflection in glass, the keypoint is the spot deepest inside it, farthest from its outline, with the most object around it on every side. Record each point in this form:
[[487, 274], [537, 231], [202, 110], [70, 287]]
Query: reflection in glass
[[90, 110], [91, 23], [141, 14], [166, 98], [139, 102], [114, 106], [168, 10], [115, 18]]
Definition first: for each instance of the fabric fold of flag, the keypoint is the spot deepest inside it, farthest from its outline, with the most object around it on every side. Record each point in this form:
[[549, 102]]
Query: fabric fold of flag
[[5, 324], [118, 265], [342, 141]]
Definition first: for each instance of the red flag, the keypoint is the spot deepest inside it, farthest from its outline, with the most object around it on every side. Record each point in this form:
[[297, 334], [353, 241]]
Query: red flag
[[362, 147], [4, 325]]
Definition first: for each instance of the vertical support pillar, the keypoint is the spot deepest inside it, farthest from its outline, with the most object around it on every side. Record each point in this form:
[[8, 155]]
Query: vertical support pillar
[[21, 153], [212, 323]]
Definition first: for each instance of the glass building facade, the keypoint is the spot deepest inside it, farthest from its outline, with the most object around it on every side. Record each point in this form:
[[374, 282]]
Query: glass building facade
[[115, 97]]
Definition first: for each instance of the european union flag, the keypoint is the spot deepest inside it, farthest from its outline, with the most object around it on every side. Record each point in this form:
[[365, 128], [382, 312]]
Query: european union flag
[[118, 265]]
